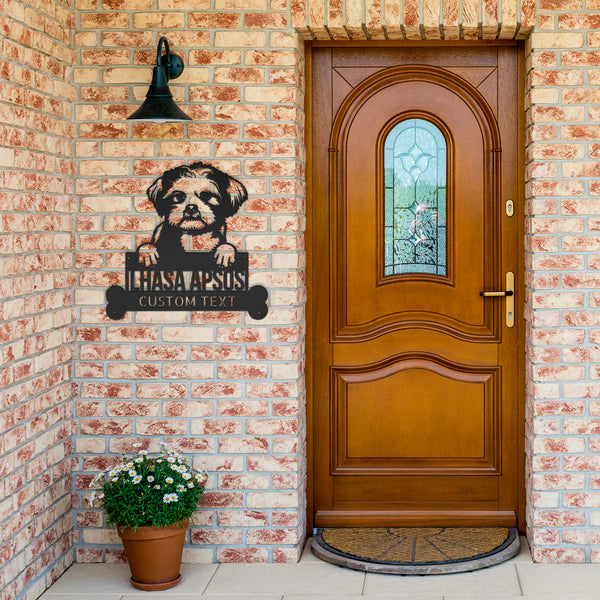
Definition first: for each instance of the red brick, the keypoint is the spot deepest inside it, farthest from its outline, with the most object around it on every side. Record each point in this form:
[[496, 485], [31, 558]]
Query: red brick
[[242, 518], [272, 427], [216, 536], [547, 518], [574, 21], [580, 318], [577, 500], [214, 20], [242, 555], [152, 20], [132, 371], [286, 555], [580, 281], [239, 75], [285, 519], [540, 464], [89, 408], [236, 481], [191, 445], [581, 426], [243, 445], [580, 132], [105, 427], [581, 463], [111, 390], [216, 390], [132, 409], [559, 555], [161, 427], [556, 77], [241, 335], [242, 371], [223, 500], [186, 408], [208, 93], [271, 20], [256, 408], [272, 463], [212, 57], [101, 21], [559, 262], [162, 352], [161, 390], [217, 427], [272, 536], [271, 390], [547, 537]]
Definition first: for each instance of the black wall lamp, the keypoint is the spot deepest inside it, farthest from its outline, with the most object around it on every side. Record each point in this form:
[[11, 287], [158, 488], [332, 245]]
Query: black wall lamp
[[159, 105]]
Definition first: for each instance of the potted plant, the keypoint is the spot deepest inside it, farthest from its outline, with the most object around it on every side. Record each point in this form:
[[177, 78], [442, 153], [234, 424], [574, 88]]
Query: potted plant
[[150, 499]]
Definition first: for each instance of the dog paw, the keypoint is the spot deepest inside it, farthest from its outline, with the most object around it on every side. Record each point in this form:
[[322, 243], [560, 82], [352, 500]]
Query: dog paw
[[225, 255], [148, 255]]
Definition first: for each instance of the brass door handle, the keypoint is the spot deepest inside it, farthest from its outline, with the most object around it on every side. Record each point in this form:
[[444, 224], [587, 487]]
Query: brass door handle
[[509, 294], [488, 294]]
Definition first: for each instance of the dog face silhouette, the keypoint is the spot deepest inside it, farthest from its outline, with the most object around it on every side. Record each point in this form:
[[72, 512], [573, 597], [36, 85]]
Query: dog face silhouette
[[194, 200]]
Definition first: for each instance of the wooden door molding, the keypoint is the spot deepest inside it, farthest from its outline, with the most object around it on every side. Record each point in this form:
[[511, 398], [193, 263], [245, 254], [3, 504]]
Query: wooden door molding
[[415, 384], [379, 324], [390, 454], [390, 76]]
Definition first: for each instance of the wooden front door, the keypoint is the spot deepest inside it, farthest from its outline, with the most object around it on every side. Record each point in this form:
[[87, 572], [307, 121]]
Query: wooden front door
[[415, 375]]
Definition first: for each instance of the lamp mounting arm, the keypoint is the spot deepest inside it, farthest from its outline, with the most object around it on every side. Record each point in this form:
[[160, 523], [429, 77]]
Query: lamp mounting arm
[[172, 63]]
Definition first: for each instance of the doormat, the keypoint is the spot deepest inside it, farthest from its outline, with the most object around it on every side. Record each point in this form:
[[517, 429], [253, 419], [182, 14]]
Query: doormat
[[416, 550]]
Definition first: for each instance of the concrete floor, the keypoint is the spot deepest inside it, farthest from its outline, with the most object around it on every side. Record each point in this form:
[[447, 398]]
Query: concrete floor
[[313, 579]]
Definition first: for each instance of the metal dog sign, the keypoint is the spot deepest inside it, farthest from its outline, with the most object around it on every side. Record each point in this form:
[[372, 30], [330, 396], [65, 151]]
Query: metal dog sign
[[192, 201]]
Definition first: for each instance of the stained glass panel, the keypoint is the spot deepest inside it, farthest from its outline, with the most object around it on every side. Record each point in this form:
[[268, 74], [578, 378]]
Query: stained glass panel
[[415, 199]]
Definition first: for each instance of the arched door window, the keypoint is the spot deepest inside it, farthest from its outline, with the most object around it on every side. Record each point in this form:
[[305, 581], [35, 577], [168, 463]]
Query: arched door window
[[415, 156]]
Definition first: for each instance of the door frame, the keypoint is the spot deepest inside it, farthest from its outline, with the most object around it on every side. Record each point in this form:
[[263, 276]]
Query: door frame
[[310, 242]]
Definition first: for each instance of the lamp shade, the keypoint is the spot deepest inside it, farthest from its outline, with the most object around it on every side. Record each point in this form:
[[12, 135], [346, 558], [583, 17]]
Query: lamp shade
[[159, 105]]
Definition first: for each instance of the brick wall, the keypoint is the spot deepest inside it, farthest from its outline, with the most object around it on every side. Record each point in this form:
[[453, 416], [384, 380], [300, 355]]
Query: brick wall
[[563, 281], [243, 87], [226, 390], [414, 20], [37, 278], [223, 389]]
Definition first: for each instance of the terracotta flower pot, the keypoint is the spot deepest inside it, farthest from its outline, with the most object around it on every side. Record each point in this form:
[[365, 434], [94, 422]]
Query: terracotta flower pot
[[154, 555]]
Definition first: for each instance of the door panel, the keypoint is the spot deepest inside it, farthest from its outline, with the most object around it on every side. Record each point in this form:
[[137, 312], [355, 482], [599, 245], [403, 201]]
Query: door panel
[[431, 423], [382, 304], [414, 373]]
